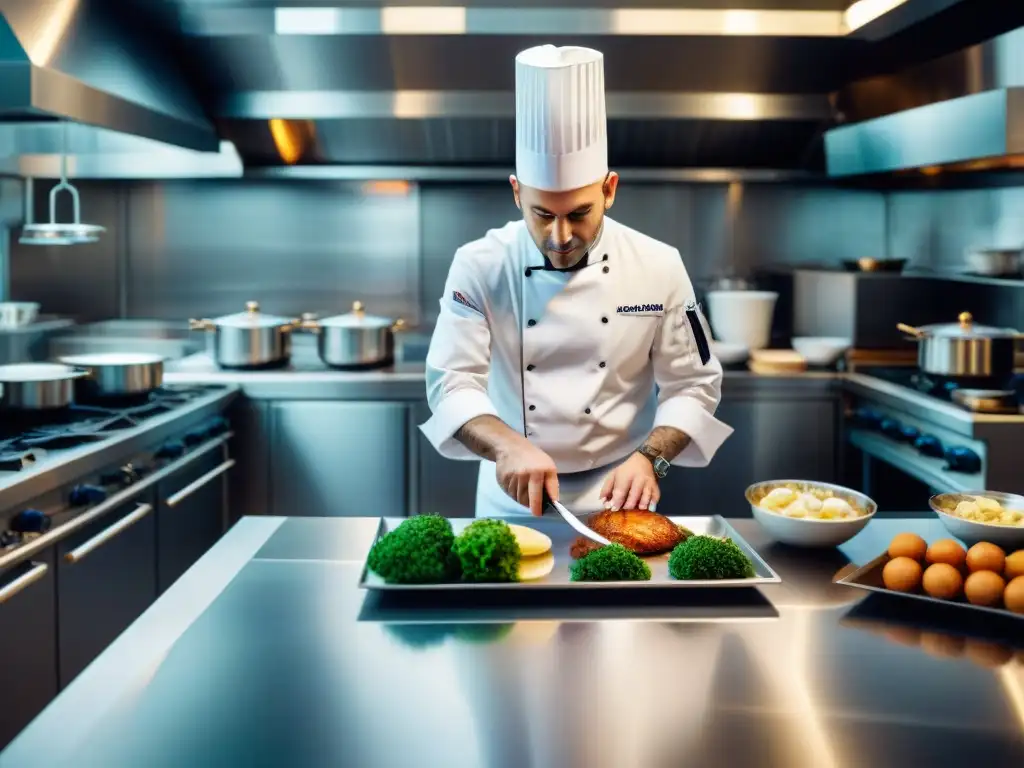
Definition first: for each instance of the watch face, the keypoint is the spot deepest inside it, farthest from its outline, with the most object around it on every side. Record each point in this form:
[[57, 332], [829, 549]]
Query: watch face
[[661, 466]]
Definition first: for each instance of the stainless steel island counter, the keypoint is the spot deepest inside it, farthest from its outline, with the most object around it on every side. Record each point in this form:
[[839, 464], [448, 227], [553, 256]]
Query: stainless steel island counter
[[266, 653]]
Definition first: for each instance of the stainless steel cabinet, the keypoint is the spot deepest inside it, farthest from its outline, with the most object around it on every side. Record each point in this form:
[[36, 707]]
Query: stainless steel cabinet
[[28, 643], [444, 487], [190, 516], [772, 439], [106, 578], [331, 459]]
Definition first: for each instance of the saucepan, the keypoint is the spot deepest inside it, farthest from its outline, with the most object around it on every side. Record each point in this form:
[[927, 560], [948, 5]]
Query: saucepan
[[354, 340], [38, 386], [112, 374], [963, 349]]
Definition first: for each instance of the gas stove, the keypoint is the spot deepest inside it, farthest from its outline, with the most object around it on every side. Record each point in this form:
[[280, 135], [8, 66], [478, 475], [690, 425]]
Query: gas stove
[[935, 431], [61, 468], [1011, 390], [27, 437]]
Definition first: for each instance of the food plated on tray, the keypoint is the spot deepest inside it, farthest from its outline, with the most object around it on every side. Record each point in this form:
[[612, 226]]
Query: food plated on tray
[[429, 550], [982, 576], [804, 513]]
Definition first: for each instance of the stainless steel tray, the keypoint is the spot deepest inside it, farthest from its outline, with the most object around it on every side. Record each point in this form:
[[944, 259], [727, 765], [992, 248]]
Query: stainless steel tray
[[869, 577], [562, 536]]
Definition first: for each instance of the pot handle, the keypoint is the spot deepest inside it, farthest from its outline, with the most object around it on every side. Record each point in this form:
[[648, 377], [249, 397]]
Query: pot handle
[[309, 323], [398, 326], [910, 330], [200, 325]]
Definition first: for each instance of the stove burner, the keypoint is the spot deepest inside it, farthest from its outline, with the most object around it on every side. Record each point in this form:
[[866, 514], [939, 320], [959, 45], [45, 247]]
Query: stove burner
[[24, 433], [1002, 396]]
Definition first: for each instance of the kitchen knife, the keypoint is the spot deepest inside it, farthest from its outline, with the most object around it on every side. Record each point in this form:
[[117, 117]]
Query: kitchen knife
[[574, 522]]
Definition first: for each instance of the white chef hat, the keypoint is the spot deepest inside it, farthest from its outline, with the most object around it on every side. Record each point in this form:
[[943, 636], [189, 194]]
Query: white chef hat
[[561, 122]]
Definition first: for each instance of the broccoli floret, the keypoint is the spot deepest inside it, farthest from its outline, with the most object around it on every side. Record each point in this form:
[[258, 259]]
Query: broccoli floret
[[417, 552], [708, 557], [488, 552], [611, 563]]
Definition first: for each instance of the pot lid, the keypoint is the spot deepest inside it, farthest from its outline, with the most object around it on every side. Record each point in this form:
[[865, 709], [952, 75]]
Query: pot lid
[[19, 372], [252, 318], [965, 328], [357, 318]]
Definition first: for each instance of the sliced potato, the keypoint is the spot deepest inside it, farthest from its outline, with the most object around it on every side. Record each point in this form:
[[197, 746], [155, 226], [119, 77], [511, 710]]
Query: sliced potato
[[536, 567], [531, 542]]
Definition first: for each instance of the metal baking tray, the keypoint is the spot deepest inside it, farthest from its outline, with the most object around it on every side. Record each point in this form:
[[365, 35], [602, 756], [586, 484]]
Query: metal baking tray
[[562, 536], [869, 577]]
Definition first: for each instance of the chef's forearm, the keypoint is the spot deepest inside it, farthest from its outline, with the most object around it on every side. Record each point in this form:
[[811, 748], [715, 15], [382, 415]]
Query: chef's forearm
[[487, 436], [669, 442]]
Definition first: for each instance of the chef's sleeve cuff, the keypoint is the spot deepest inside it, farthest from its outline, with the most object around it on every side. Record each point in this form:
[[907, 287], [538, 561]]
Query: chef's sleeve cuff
[[705, 431], [455, 409]]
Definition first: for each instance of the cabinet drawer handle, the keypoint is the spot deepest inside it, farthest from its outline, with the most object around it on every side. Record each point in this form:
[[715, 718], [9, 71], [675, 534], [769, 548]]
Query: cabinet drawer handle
[[107, 534], [29, 577], [175, 499]]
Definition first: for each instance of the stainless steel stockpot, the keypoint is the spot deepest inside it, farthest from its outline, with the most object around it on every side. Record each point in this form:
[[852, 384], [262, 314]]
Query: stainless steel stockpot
[[355, 340], [250, 339], [964, 349]]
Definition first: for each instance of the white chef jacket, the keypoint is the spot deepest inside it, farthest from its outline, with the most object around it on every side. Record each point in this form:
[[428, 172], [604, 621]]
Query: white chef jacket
[[583, 362]]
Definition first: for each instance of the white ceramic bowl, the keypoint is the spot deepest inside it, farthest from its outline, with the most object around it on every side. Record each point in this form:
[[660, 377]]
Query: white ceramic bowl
[[1009, 537], [742, 317], [821, 350], [729, 354], [805, 531]]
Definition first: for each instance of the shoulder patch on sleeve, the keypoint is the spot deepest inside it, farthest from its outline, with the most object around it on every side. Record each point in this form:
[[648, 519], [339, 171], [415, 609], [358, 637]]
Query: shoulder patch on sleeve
[[460, 298]]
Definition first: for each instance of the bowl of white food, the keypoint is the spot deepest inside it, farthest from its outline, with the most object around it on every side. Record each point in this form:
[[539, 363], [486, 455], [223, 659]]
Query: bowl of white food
[[821, 350], [804, 513], [729, 353], [991, 516]]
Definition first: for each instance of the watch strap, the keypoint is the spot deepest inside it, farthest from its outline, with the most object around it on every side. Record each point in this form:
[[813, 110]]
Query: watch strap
[[661, 465]]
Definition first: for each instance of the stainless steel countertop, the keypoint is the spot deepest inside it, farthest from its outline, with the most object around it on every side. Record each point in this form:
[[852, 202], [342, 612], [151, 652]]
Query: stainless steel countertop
[[307, 378], [266, 653], [17, 488]]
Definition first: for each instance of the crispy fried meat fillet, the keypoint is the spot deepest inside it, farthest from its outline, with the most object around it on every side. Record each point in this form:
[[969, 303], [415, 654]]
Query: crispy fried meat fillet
[[640, 531]]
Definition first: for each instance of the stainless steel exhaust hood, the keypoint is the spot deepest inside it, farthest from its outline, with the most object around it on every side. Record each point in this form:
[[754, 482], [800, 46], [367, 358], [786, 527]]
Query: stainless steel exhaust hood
[[962, 112], [295, 87], [81, 61]]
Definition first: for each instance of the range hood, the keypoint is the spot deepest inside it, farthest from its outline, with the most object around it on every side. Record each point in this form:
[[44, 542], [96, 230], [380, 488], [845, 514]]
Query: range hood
[[962, 112], [295, 87], [83, 61]]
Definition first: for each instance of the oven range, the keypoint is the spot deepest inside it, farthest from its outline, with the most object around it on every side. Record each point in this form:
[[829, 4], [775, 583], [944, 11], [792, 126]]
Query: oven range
[[56, 464], [934, 431]]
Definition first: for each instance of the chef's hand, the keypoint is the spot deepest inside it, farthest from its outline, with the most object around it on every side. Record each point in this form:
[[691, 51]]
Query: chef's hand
[[525, 472], [632, 485]]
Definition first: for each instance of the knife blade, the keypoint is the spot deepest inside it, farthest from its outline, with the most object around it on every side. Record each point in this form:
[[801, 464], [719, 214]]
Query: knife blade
[[574, 522]]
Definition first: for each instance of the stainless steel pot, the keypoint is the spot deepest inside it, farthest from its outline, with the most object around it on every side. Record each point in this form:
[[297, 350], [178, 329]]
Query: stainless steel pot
[[114, 374], [249, 339], [994, 262], [964, 349], [37, 386], [355, 339]]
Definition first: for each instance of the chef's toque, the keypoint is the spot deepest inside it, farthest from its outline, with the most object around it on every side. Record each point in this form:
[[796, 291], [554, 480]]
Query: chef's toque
[[561, 121]]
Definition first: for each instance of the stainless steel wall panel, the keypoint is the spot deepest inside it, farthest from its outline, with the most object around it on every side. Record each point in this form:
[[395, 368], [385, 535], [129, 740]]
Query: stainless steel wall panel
[[793, 224], [207, 248], [933, 229]]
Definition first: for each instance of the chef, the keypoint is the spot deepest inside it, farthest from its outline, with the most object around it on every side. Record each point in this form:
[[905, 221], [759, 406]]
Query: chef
[[569, 355]]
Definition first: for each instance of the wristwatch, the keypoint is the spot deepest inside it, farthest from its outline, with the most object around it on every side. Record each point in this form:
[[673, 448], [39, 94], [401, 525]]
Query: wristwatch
[[660, 464]]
